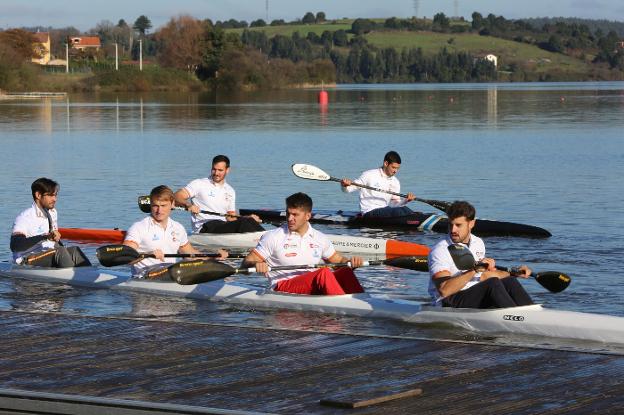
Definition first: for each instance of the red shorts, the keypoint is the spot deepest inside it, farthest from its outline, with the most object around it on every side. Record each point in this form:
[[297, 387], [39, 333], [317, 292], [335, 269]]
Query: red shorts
[[322, 282]]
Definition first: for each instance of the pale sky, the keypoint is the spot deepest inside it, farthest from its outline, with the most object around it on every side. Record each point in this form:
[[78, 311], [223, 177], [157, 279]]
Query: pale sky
[[85, 14]]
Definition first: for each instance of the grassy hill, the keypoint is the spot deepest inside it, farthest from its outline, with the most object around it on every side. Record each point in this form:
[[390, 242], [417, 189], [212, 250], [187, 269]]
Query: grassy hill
[[508, 52]]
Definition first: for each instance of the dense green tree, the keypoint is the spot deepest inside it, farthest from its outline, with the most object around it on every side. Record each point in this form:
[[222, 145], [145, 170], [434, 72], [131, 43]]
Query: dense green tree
[[362, 26], [340, 38], [142, 24], [320, 17], [258, 23], [308, 18]]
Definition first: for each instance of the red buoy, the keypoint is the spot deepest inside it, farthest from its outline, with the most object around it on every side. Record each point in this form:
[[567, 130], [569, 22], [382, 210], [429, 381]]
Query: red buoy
[[323, 98]]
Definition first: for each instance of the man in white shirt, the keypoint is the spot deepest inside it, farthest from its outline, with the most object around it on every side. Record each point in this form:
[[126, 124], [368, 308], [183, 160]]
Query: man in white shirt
[[481, 287], [158, 234], [215, 195], [35, 239], [297, 243], [380, 204]]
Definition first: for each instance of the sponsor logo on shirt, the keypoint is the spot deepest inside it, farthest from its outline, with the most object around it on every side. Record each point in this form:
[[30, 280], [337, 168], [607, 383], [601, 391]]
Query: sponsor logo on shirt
[[291, 254], [288, 246], [155, 237], [174, 236]]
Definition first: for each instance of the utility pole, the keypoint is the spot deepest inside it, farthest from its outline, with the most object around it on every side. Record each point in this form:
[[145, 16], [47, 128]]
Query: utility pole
[[140, 54], [456, 8], [266, 5], [66, 57], [116, 57], [416, 7]]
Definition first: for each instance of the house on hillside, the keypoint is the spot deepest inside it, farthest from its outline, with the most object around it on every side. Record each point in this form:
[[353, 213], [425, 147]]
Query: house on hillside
[[85, 43], [489, 57], [41, 47]]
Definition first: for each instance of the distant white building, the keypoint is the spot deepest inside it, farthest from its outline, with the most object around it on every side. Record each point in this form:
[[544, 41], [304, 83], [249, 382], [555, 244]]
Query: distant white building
[[492, 58]]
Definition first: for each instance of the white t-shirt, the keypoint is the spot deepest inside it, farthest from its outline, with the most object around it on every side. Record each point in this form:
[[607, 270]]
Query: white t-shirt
[[371, 199], [282, 247], [440, 259], [149, 236], [219, 198], [34, 222]]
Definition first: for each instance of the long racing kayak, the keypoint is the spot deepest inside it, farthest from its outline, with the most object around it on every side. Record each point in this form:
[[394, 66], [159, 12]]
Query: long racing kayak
[[342, 243], [527, 320], [417, 221], [245, 241]]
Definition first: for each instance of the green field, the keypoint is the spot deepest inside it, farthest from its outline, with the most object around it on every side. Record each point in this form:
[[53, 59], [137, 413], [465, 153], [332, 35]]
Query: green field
[[303, 29], [507, 51]]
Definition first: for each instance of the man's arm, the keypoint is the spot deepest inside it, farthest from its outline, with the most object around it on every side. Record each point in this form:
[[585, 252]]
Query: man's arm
[[449, 285], [182, 197], [254, 260], [356, 261], [19, 241]]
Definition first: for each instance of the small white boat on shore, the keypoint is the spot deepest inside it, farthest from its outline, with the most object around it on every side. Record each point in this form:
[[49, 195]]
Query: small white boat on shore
[[528, 320]]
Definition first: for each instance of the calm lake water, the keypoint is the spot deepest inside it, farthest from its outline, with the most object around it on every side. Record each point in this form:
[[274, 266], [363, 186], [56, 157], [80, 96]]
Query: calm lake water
[[550, 155]]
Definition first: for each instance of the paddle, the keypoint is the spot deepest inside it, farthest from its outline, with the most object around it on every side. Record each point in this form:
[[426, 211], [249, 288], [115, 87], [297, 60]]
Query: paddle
[[551, 280], [307, 171], [198, 271], [114, 255], [145, 206]]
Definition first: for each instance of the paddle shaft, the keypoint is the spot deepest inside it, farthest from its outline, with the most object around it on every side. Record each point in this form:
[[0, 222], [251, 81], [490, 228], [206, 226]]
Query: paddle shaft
[[435, 203], [144, 205]]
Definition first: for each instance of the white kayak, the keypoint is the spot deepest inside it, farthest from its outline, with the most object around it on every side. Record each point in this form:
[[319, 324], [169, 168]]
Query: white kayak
[[343, 243], [530, 320]]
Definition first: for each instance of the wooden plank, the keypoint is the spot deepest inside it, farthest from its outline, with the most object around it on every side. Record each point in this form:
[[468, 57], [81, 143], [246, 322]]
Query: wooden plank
[[341, 403]]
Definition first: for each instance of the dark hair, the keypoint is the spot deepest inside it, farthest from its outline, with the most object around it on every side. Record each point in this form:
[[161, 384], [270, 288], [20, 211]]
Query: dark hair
[[392, 157], [299, 201], [461, 208], [44, 186], [161, 192], [221, 158]]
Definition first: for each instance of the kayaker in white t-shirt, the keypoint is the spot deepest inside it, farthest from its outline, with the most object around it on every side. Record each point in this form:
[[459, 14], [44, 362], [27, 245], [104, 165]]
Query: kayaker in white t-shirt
[[158, 234], [35, 239], [214, 194], [297, 243], [380, 204], [481, 287]]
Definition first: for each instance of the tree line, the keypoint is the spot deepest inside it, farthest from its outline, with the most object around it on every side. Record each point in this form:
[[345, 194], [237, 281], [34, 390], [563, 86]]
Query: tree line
[[222, 58]]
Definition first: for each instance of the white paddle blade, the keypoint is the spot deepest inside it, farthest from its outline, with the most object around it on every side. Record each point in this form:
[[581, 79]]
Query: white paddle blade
[[307, 171]]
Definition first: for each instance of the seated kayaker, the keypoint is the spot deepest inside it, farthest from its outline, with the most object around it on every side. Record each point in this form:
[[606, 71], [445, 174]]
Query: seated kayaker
[[481, 287], [379, 204], [296, 242], [215, 195], [35, 239], [158, 234]]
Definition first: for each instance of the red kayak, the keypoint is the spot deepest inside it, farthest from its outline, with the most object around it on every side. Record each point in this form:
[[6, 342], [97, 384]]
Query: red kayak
[[111, 236]]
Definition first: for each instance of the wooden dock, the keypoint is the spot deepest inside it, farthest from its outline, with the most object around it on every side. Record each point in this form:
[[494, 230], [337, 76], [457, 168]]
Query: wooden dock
[[219, 368], [32, 95]]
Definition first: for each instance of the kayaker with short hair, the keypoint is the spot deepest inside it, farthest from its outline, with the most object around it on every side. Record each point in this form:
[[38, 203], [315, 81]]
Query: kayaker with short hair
[[481, 287], [35, 239], [296, 242], [214, 194], [158, 234], [378, 204]]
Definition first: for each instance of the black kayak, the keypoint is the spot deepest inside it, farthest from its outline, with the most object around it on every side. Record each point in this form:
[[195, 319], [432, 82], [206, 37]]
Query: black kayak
[[417, 221]]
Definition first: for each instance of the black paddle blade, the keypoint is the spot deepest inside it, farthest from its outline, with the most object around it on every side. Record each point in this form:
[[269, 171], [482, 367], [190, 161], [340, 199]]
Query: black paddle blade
[[196, 272], [438, 204], [145, 204], [462, 256], [415, 263], [553, 281], [113, 255]]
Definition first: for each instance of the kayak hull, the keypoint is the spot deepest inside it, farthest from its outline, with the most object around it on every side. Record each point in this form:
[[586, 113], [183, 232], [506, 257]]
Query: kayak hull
[[342, 243], [417, 221], [529, 320], [246, 241]]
